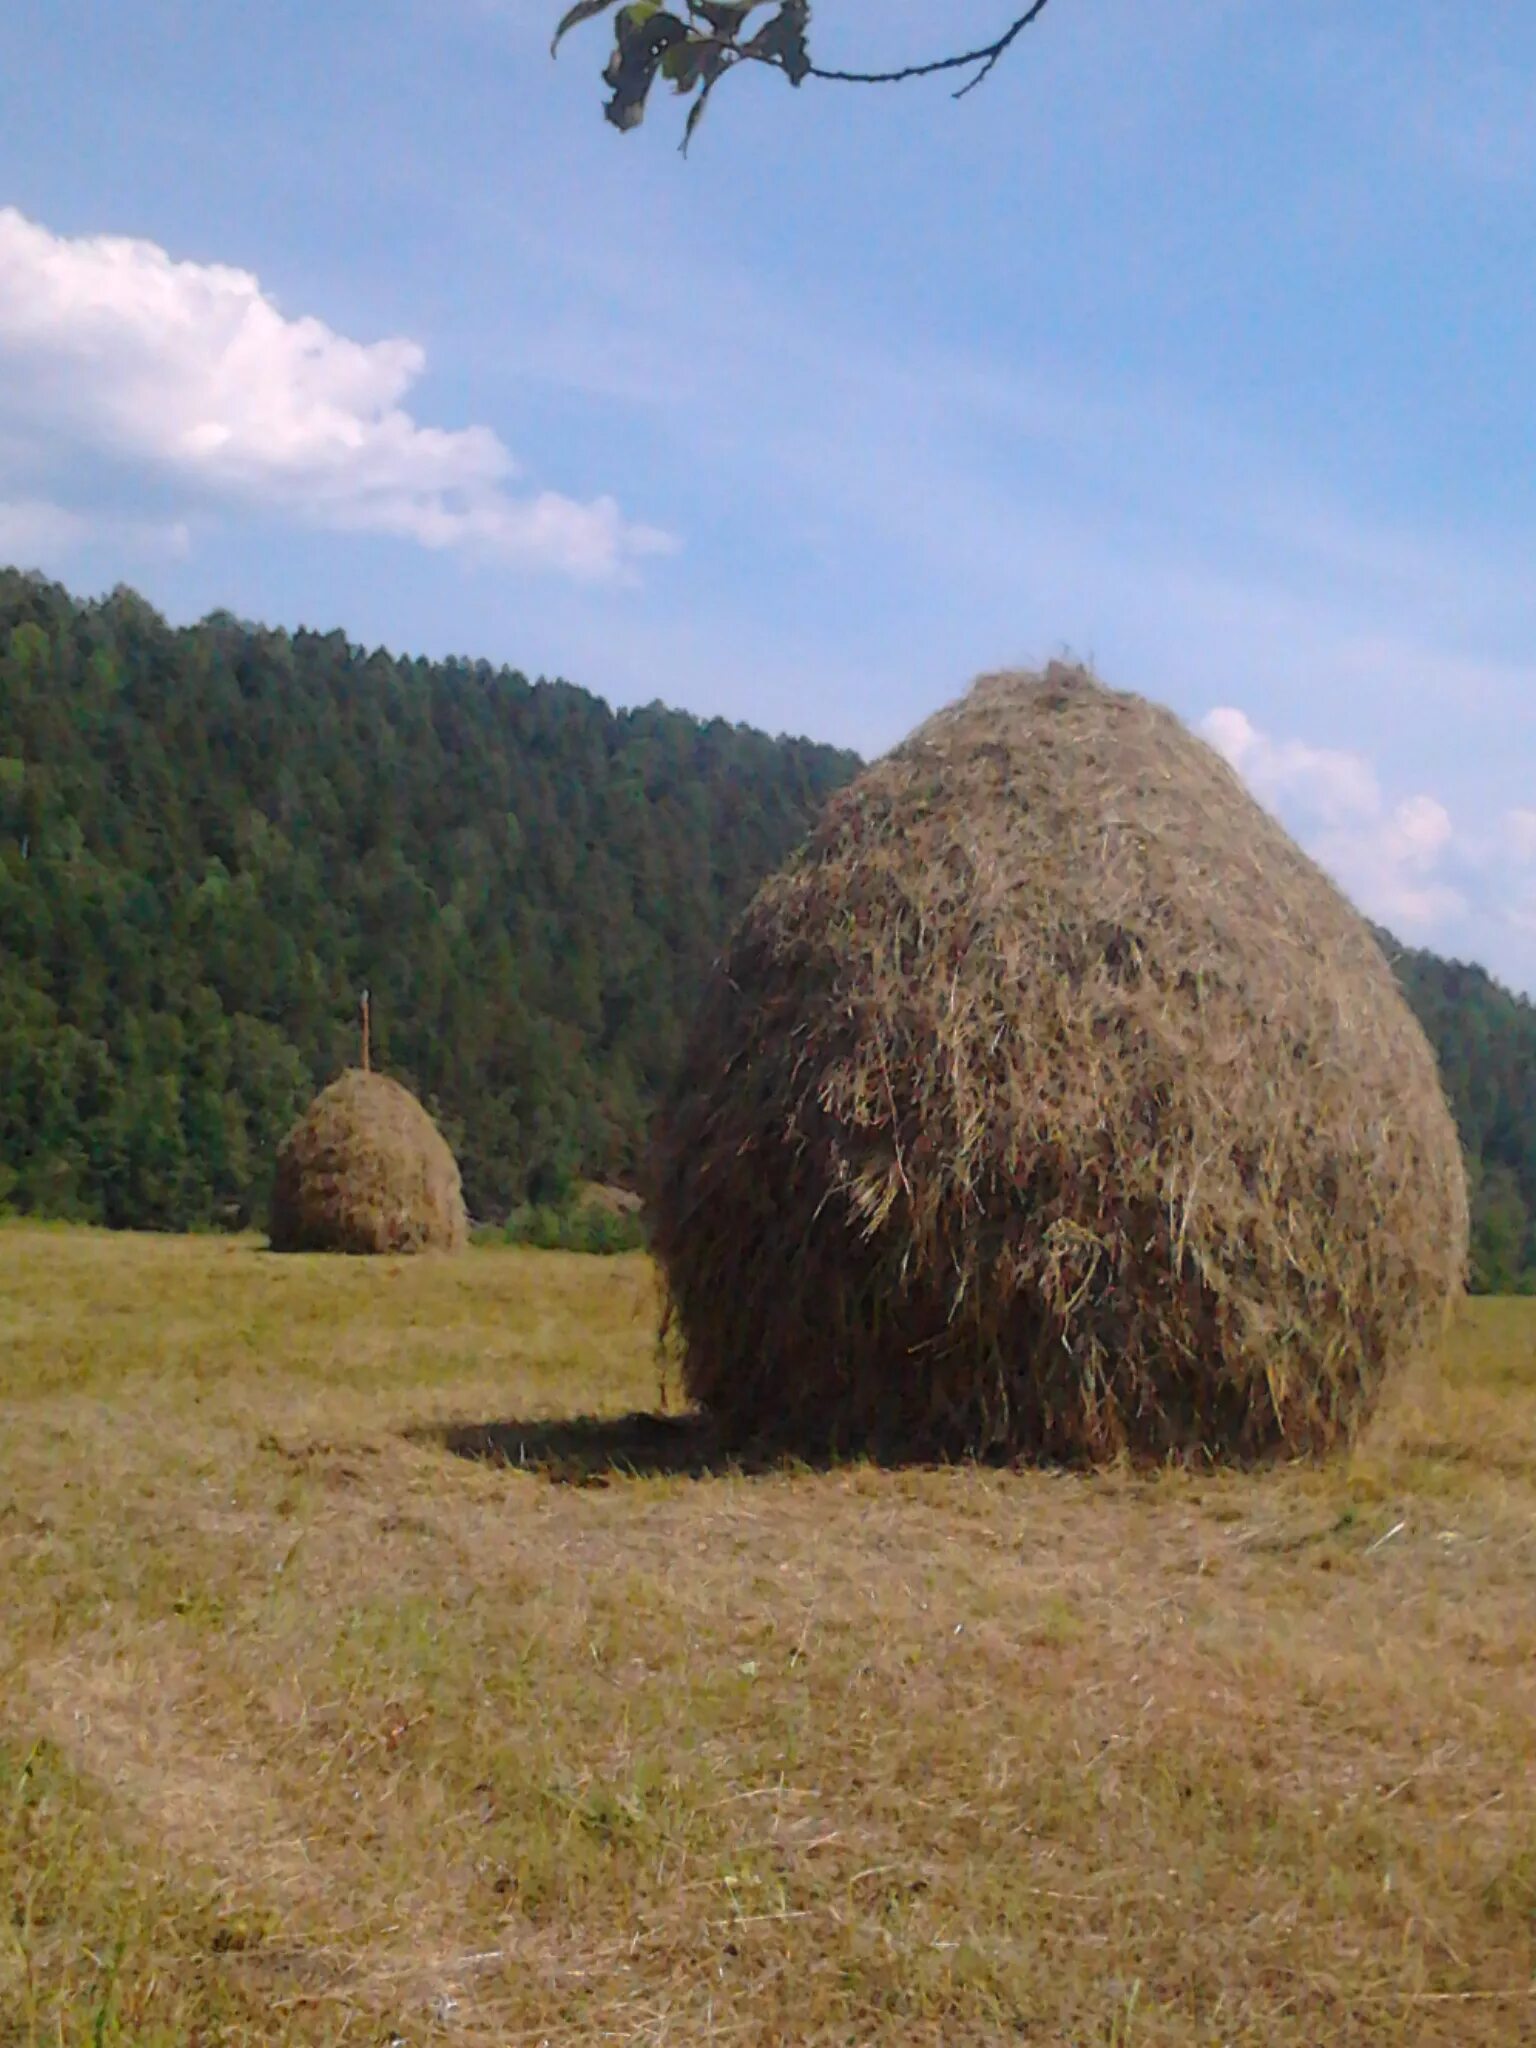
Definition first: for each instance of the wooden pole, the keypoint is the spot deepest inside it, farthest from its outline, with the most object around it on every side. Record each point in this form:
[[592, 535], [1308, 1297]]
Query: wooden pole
[[367, 1038]]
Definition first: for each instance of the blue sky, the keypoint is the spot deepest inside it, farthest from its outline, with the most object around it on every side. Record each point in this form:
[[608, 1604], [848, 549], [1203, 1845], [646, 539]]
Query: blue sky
[[1201, 341]]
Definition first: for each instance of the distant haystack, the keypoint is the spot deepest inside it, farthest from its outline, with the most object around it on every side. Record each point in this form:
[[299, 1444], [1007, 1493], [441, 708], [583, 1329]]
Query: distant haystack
[[366, 1170], [1053, 1102]]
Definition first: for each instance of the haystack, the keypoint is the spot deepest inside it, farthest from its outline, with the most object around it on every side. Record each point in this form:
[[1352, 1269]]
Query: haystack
[[1052, 1102], [366, 1170]]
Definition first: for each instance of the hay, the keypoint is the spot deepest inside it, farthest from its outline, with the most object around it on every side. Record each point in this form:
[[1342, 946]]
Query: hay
[[1053, 1102], [366, 1170]]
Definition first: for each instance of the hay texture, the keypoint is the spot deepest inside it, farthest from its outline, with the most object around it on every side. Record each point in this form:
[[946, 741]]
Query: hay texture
[[366, 1170], [1052, 1102]]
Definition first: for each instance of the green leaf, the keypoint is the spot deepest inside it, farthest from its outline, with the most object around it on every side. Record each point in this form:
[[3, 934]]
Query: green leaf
[[700, 59], [782, 41], [678, 66], [584, 10], [725, 17], [645, 33]]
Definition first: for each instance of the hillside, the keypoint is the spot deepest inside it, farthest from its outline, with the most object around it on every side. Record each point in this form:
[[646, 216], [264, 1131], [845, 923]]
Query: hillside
[[212, 838], [1486, 1041]]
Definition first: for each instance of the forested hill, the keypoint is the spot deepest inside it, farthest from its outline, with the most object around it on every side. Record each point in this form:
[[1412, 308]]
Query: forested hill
[[211, 839], [1486, 1041]]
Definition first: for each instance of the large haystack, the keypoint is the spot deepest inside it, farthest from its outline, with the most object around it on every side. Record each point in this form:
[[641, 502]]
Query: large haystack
[[366, 1170], [1053, 1102]]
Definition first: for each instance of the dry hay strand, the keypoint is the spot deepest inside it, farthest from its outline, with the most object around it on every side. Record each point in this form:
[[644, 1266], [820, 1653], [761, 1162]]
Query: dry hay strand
[[365, 1169], [1052, 1102]]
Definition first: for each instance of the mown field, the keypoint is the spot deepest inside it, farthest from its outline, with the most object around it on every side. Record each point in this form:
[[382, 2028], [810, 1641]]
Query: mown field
[[353, 1688]]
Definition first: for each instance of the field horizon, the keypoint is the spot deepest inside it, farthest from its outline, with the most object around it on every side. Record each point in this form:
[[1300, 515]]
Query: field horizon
[[387, 1659]]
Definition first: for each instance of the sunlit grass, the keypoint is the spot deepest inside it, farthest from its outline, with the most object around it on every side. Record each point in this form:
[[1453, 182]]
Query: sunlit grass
[[312, 1730]]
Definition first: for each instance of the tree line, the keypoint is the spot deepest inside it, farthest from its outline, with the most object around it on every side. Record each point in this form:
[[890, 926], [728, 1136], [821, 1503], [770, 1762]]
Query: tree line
[[1485, 1040], [211, 838]]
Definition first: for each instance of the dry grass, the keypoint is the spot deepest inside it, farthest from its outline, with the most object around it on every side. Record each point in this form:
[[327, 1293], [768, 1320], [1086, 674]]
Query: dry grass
[[317, 1726], [1052, 1100], [365, 1170]]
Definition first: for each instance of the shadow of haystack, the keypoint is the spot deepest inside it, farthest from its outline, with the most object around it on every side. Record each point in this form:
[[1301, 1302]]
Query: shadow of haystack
[[594, 1450]]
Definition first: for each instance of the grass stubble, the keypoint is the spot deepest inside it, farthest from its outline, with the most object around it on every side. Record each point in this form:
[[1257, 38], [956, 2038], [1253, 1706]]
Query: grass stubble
[[351, 1692]]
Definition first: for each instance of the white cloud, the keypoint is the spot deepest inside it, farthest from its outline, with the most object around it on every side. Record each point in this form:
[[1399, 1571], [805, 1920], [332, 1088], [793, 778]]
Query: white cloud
[[1420, 832], [1468, 887], [33, 530], [1521, 830], [1333, 784], [1390, 857], [193, 369]]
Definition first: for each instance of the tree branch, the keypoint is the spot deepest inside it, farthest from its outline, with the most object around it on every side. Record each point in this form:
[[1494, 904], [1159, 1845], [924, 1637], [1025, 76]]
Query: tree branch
[[986, 58]]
